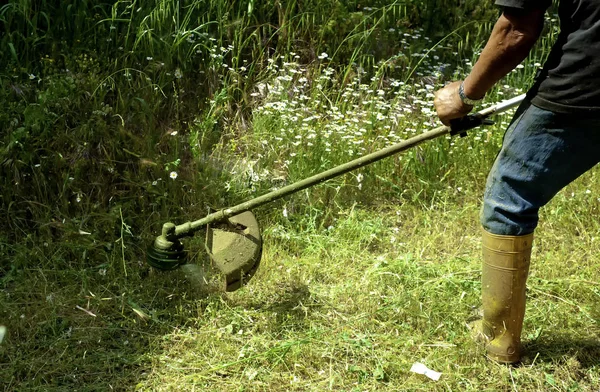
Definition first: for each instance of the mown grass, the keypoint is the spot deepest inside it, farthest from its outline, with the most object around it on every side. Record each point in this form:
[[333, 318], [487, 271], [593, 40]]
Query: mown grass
[[162, 112], [350, 307]]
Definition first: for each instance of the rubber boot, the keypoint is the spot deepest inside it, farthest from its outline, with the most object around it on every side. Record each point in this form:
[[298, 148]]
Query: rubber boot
[[504, 274]]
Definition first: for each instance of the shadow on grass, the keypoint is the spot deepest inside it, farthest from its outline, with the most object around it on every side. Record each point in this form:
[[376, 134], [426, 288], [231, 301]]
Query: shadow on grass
[[90, 329], [96, 329], [291, 306], [556, 349]]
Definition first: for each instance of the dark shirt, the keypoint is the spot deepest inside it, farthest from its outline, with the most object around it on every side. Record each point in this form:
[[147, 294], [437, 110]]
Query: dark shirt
[[570, 79]]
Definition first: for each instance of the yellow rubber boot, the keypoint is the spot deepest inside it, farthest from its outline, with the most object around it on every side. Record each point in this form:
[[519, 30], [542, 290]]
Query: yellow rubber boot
[[504, 274]]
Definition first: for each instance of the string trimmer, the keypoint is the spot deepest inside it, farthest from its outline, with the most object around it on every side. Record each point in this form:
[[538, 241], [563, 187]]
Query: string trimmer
[[233, 239]]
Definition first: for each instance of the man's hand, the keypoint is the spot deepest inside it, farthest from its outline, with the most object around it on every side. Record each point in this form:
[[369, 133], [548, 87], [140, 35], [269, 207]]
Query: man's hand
[[448, 104], [513, 36]]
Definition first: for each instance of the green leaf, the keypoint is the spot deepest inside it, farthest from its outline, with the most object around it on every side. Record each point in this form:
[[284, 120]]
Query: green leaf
[[13, 51]]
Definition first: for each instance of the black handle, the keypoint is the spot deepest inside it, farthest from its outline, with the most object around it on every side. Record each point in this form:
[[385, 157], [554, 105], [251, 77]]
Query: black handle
[[460, 126]]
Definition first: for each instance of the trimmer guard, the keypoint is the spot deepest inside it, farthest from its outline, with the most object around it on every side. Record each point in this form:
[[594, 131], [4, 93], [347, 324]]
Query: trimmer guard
[[235, 248]]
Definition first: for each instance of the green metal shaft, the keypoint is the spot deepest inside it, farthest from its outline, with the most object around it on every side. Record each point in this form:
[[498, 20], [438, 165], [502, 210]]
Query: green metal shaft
[[189, 228], [185, 228]]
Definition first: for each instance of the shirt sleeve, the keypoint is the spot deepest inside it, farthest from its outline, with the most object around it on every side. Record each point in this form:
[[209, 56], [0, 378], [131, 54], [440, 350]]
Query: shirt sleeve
[[525, 4]]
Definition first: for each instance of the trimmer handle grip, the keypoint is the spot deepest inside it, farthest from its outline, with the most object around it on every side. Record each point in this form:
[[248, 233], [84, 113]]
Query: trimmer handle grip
[[460, 126]]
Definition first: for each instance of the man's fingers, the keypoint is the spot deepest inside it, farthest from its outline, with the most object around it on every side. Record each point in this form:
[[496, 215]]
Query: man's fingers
[[447, 103]]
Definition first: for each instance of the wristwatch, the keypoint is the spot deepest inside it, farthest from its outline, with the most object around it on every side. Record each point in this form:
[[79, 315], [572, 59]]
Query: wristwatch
[[466, 100]]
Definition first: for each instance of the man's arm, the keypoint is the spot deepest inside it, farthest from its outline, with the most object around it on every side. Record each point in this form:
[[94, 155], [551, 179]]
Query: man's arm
[[512, 38]]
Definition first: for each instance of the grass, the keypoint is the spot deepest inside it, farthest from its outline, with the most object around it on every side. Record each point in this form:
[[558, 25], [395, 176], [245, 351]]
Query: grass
[[162, 112], [350, 307]]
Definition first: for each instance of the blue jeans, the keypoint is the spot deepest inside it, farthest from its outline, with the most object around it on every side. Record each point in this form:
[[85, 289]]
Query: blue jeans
[[542, 152]]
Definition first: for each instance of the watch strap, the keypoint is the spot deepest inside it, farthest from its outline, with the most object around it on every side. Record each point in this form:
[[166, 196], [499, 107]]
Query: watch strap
[[466, 100]]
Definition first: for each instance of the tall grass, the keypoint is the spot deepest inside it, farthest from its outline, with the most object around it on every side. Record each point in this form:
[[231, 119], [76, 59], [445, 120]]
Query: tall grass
[[131, 91]]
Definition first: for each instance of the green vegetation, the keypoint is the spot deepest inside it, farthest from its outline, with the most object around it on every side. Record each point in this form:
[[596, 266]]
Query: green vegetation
[[119, 117]]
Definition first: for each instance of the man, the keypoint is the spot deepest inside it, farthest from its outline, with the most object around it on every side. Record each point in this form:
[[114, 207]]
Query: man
[[553, 139]]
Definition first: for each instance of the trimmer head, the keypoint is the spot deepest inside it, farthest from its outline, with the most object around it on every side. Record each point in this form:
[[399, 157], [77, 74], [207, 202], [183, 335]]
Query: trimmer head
[[166, 259], [166, 254], [234, 246]]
